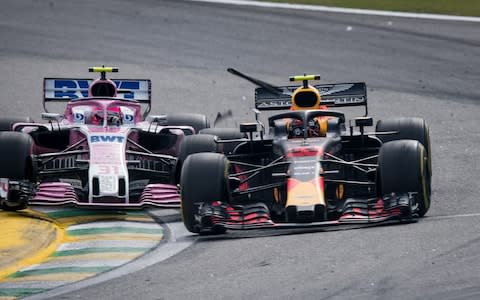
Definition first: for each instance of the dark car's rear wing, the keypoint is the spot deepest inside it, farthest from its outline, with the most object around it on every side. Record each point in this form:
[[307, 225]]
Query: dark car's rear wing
[[333, 95]]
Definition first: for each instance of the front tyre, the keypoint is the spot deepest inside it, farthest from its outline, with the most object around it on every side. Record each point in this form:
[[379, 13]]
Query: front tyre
[[15, 151], [203, 181], [402, 168], [15, 165]]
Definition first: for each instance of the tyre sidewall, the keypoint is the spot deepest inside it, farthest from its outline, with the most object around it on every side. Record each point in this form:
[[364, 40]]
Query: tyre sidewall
[[15, 155], [402, 168], [203, 180], [197, 121]]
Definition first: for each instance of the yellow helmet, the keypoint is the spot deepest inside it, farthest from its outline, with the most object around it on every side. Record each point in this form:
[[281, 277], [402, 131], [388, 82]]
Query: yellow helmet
[[306, 96]]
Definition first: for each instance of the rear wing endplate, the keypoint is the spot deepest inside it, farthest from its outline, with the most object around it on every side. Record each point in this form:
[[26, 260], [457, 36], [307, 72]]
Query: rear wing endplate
[[333, 95]]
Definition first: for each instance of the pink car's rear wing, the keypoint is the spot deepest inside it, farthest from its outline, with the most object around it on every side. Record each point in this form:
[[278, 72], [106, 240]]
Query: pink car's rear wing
[[68, 89]]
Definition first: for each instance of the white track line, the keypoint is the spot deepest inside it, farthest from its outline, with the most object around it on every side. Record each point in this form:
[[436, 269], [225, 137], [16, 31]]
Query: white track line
[[344, 10], [78, 263], [455, 216], [107, 243]]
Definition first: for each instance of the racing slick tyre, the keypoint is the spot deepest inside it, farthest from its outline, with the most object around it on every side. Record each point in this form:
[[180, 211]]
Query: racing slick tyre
[[194, 144], [15, 150], [402, 168], [225, 134], [15, 162], [408, 128], [204, 180], [197, 121], [7, 123]]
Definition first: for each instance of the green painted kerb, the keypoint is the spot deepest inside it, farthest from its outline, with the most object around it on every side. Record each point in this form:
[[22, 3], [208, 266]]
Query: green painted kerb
[[19, 292], [83, 212], [448, 7], [99, 250], [59, 271], [112, 230]]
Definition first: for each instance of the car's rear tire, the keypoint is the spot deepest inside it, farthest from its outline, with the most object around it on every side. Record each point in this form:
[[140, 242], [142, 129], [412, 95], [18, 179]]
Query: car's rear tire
[[197, 121], [225, 134], [402, 168], [203, 180], [408, 129], [15, 151], [7, 123]]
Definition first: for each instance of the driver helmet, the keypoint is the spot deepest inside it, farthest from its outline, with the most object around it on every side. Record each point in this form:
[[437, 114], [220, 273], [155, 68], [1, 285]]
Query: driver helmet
[[97, 117], [295, 128], [114, 116]]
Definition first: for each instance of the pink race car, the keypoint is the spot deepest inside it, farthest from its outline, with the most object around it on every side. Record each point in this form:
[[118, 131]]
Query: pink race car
[[103, 151]]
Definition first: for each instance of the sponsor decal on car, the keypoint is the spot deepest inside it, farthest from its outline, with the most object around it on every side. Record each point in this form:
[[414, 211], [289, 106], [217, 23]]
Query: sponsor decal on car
[[78, 88], [107, 138]]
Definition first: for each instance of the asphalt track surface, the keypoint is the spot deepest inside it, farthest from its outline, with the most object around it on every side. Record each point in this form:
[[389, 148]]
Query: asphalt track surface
[[413, 67]]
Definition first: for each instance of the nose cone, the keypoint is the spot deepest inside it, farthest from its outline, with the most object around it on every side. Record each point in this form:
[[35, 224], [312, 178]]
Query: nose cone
[[305, 200]]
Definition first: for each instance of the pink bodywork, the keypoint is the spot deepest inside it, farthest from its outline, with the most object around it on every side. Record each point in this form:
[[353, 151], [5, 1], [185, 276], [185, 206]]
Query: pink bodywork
[[63, 193], [60, 193]]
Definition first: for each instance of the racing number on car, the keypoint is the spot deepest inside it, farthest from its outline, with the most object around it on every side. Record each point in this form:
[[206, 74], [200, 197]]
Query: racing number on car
[[107, 175], [108, 170]]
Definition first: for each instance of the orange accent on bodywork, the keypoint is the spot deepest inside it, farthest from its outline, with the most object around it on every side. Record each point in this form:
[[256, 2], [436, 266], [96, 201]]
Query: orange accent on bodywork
[[305, 151], [305, 193], [340, 191], [243, 186], [292, 183], [276, 195]]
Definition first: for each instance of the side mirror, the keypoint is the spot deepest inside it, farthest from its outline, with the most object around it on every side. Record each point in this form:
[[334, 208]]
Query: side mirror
[[249, 127], [52, 117], [159, 119], [363, 121]]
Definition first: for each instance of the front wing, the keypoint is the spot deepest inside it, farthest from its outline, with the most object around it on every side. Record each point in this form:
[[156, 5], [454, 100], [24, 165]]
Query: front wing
[[61, 193], [398, 208]]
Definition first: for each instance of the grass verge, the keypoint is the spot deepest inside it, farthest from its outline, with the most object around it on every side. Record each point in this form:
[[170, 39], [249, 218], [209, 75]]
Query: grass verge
[[448, 7]]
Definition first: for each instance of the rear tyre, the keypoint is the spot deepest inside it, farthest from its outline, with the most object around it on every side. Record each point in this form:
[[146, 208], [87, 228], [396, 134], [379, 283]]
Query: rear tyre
[[197, 121], [203, 180], [225, 134], [402, 168], [7, 123], [408, 129]]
